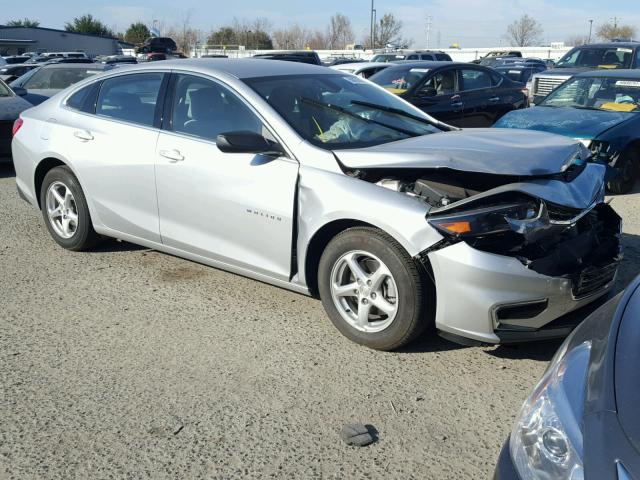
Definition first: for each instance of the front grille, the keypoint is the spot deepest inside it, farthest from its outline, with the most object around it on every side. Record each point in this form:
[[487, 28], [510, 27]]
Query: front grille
[[545, 85], [592, 279]]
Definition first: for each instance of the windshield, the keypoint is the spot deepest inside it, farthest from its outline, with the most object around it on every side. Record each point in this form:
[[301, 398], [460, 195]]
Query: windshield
[[612, 94], [4, 90], [388, 57], [341, 111], [399, 79], [57, 78], [597, 57]]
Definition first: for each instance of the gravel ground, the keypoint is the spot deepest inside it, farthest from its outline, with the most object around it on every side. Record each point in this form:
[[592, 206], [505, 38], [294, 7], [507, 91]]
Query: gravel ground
[[129, 363]]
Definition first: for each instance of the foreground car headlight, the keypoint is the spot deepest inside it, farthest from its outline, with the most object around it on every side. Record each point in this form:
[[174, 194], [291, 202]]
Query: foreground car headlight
[[546, 441], [484, 221]]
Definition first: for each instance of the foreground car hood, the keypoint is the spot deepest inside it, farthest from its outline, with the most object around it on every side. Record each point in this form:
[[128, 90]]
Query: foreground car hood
[[11, 107], [567, 121], [481, 150]]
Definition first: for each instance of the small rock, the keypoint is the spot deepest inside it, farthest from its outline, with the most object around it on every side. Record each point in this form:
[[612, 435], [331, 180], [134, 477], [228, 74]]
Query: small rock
[[419, 399], [357, 434]]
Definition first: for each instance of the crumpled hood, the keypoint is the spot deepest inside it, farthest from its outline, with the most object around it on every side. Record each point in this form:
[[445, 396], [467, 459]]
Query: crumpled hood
[[481, 150], [11, 107], [567, 121]]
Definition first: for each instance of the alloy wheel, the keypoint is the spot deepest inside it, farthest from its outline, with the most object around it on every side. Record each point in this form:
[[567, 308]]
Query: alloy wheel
[[62, 210]]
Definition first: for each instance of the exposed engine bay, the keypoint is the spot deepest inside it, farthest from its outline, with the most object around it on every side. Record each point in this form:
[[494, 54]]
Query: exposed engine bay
[[582, 244]]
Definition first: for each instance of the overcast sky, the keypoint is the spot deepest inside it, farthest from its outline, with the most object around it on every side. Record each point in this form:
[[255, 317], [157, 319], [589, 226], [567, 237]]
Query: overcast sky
[[472, 23]]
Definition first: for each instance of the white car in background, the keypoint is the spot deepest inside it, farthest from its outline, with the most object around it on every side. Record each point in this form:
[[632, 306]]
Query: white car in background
[[362, 69]]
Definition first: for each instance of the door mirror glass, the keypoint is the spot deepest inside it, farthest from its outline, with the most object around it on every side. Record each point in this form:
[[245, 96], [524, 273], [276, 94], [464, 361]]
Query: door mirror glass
[[247, 142]]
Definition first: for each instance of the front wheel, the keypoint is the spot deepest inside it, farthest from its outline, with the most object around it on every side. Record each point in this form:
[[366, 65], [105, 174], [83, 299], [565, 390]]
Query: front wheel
[[627, 170], [372, 289]]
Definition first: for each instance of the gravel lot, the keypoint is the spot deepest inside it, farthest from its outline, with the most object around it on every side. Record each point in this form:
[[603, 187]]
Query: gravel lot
[[129, 363]]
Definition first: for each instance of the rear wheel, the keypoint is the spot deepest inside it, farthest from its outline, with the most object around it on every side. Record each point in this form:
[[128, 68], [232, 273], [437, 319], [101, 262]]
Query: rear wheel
[[65, 211], [627, 170], [372, 289]]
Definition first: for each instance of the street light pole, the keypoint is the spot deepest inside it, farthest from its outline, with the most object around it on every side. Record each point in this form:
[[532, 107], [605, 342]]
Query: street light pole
[[371, 39], [590, 29]]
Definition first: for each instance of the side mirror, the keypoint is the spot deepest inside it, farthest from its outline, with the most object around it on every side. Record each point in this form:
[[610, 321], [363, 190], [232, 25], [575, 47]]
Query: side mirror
[[19, 91], [247, 142]]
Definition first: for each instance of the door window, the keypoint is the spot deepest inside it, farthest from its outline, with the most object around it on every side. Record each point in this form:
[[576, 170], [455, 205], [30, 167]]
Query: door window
[[131, 98], [426, 57], [205, 109], [440, 83], [475, 79]]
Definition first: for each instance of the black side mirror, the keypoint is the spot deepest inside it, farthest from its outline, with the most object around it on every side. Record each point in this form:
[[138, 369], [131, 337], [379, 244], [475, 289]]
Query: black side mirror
[[247, 142], [19, 91]]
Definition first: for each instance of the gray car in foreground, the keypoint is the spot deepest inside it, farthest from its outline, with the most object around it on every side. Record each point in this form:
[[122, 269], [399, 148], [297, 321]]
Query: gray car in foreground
[[323, 183]]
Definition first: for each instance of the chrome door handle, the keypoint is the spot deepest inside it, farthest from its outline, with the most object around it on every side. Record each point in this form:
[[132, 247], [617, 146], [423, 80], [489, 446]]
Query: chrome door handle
[[83, 135], [173, 155]]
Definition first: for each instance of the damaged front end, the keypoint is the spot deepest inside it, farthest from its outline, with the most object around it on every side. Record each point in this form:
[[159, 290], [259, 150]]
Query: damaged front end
[[582, 245]]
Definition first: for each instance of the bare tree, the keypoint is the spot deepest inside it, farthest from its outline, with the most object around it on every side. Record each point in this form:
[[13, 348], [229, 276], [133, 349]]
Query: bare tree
[[292, 37], [388, 30], [577, 40], [611, 31], [318, 40], [339, 33], [524, 32]]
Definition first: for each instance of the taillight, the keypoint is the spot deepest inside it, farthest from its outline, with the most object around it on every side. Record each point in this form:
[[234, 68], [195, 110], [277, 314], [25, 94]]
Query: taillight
[[16, 126]]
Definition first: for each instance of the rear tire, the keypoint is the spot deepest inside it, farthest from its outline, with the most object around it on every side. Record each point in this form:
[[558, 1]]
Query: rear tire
[[65, 211], [627, 171], [381, 305]]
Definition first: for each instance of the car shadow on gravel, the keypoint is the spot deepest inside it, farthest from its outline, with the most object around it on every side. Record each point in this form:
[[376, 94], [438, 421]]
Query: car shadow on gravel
[[112, 245], [7, 171], [542, 350]]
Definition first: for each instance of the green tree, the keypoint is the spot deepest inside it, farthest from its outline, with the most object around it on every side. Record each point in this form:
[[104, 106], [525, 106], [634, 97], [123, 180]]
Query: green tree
[[25, 22], [223, 36], [88, 24], [137, 33]]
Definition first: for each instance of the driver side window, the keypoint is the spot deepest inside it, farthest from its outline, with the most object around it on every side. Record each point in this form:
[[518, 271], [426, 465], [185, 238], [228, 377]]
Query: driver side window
[[441, 83], [204, 109]]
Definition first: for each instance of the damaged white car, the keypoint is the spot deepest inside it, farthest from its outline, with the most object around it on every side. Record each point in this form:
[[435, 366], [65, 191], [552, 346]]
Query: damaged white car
[[323, 183]]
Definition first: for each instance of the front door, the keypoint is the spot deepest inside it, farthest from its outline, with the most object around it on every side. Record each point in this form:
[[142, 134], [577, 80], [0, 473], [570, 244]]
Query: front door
[[233, 208], [439, 97]]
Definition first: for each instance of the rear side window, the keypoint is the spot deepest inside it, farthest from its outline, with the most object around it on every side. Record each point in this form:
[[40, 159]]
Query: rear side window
[[426, 57], [131, 98], [84, 99], [475, 79], [443, 57]]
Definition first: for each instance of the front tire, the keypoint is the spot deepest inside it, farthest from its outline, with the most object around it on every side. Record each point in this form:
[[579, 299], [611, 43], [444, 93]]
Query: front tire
[[372, 289], [65, 211], [627, 171]]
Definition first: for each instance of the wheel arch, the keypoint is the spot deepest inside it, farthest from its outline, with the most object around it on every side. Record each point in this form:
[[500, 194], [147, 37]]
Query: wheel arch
[[44, 166]]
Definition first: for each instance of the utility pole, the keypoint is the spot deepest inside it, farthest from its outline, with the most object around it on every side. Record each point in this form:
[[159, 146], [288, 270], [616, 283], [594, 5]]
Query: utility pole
[[590, 29], [371, 39], [615, 22], [429, 18]]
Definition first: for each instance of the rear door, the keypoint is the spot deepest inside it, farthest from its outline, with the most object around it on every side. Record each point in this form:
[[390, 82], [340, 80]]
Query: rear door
[[439, 96], [233, 208], [479, 97]]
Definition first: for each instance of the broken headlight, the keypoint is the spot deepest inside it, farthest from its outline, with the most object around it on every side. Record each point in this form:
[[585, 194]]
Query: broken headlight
[[484, 221]]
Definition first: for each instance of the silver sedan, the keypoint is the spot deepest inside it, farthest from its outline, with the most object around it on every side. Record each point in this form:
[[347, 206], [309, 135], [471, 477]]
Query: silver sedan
[[323, 183]]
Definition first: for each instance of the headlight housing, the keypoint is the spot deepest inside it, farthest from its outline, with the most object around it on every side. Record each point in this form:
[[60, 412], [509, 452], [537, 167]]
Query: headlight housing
[[485, 220], [546, 441]]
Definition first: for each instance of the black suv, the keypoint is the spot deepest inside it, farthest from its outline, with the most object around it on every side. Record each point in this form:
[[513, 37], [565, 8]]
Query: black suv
[[613, 55], [412, 55]]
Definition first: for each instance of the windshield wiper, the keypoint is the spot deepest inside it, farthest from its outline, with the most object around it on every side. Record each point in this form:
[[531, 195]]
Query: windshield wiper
[[355, 115], [397, 111]]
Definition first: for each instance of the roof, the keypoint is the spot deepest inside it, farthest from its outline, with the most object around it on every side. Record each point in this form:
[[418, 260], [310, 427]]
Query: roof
[[66, 66], [360, 65], [621, 73], [426, 64], [239, 68], [7, 27], [612, 44]]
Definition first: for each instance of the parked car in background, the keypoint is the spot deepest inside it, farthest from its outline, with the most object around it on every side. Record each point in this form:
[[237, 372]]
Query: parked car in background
[[499, 53], [520, 72], [47, 56], [412, 55], [9, 73], [15, 59], [43, 82], [69, 60], [117, 59], [11, 106], [332, 61], [325, 184], [581, 420], [362, 69], [602, 110], [3, 62], [301, 56], [215, 55], [461, 94], [156, 56], [613, 55]]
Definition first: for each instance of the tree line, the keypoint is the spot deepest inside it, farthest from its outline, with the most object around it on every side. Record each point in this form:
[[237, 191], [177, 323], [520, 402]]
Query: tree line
[[259, 34]]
